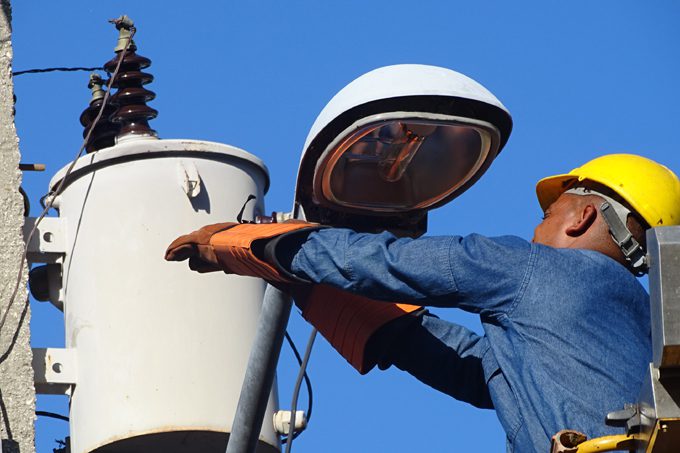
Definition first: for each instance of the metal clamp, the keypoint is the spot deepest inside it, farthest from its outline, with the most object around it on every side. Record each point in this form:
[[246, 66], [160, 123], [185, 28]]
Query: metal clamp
[[54, 370], [48, 243], [281, 421]]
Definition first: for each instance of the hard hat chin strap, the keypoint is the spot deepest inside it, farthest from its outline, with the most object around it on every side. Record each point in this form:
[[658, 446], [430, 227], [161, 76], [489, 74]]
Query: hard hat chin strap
[[616, 215]]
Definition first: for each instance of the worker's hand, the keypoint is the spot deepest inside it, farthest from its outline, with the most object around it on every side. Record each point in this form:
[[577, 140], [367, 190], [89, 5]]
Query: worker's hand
[[239, 248], [196, 247]]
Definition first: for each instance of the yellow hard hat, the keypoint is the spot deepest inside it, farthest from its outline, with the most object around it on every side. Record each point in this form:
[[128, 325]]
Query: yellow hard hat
[[651, 189]]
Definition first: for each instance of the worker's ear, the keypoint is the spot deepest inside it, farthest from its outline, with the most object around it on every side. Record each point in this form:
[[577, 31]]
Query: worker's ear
[[582, 222]]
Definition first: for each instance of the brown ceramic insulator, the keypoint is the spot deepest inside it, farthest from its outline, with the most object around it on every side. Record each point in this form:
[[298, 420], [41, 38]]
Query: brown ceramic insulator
[[132, 61], [132, 114], [104, 133]]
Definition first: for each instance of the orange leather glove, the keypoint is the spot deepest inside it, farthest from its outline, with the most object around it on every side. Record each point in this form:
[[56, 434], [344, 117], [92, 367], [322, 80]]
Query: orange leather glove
[[235, 248], [352, 324]]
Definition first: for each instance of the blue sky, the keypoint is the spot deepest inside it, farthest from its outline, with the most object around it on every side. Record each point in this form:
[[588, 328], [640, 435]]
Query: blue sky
[[581, 78]]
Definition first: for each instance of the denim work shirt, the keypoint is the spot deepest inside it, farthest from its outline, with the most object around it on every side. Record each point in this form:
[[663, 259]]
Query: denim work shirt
[[566, 331]]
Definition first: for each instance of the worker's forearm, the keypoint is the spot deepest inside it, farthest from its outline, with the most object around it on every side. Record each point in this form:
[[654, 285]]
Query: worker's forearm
[[475, 273], [378, 266]]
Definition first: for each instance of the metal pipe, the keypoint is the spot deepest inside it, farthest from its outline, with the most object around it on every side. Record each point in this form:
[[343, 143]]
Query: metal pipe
[[260, 372]]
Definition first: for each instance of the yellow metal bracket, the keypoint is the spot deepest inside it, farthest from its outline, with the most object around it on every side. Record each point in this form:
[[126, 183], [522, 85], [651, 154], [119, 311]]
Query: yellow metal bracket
[[568, 441], [608, 443]]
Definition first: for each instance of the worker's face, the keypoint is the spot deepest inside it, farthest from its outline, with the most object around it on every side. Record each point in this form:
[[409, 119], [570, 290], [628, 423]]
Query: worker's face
[[557, 219]]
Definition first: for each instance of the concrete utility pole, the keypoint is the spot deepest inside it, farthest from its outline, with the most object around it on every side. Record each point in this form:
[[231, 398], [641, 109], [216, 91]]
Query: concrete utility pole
[[17, 394]]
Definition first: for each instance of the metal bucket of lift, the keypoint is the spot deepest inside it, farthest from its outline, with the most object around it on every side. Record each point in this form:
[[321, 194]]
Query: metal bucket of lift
[[159, 352]]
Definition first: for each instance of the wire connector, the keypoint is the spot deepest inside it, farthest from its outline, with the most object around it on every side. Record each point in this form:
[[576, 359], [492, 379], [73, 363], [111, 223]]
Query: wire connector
[[124, 25], [95, 85], [282, 422]]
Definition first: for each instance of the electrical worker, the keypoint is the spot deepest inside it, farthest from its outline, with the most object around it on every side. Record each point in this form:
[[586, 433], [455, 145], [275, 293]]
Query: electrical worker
[[566, 323]]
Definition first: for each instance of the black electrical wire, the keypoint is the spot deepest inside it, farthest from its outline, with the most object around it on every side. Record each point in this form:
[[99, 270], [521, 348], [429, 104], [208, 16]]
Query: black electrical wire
[[59, 188], [51, 415], [308, 384], [296, 392], [42, 70]]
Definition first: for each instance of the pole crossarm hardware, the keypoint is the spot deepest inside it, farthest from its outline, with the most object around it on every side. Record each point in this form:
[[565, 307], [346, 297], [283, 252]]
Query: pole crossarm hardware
[[55, 370], [48, 244]]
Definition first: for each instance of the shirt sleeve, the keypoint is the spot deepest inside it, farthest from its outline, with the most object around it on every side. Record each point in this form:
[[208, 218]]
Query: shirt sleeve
[[474, 272], [445, 356]]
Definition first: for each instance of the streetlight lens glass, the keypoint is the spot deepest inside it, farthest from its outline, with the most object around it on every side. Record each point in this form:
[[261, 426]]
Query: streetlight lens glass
[[396, 166]]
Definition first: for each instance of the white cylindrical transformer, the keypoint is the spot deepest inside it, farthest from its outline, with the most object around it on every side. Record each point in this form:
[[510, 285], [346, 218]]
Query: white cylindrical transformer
[[160, 351]]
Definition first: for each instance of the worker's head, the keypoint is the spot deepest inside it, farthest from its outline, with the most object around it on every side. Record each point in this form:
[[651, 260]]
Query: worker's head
[[607, 204]]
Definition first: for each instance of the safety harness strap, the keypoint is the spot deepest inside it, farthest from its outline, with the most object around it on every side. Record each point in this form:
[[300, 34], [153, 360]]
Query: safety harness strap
[[631, 249], [615, 215]]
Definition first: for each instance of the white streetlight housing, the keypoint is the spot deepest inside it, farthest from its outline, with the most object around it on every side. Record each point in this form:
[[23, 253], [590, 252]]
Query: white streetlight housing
[[396, 142]]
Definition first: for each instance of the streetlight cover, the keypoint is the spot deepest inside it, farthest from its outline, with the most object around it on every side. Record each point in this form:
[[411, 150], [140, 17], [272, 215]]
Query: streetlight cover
[[398, 141]]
